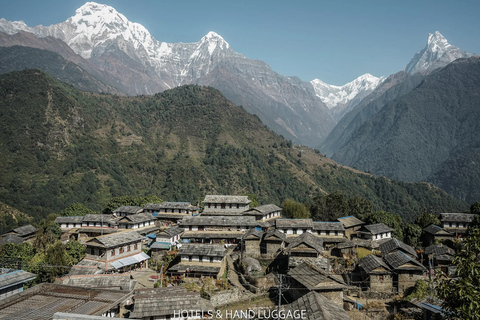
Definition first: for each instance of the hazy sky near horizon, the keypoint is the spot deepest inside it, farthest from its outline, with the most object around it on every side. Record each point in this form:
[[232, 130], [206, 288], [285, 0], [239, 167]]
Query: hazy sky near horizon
[[335, 41]]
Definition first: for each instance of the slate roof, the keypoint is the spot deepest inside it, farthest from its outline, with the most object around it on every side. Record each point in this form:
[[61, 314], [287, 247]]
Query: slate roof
[[10, 238], [275, 235], [439, 249], [15, 277], [42, 301], [226, 199], [263, 210], [397, 259], [170, 205], [434, 229], [99, 218], [196, 267], [146, 302], [137, 218], [128, 209], [221, 221], [25, 230], [69, 219], [372, 262], [294, 223], [395, 244], [317, 307], [376, 228], [104, 281], [212, 235], [457, 217], [87, 266], [350, 221], [305, 238], [253, 234], [327, 225], [203, 249], [312, 277], [115, 239], [170, 232]]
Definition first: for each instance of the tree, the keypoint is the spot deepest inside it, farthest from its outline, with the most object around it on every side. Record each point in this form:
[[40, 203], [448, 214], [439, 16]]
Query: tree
[[461, 293], [48, 232], [426, 218], [328, 207], [253, 200], [75, 251], [294, 210], [412, 234], [76, 209], [116, 202], [475, 208]]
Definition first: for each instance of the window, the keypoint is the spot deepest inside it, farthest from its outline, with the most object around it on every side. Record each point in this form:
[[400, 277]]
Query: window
[[190, 258], [113, 252], [380, 277], [223, 206], [128, 248], [200, 259], [211, 259], [294, 231], [120, 250], [135, 246]]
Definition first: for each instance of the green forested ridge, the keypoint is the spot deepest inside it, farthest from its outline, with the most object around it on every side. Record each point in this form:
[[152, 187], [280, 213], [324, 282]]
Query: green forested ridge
[[61, 146]]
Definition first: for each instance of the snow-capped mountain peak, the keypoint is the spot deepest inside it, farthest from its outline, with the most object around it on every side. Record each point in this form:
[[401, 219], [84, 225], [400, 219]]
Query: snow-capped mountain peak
[[334, 96], [436, 54], [214, 40]]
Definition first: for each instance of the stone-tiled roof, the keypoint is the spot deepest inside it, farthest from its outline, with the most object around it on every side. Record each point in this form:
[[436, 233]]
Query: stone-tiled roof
[[212, 235], [146, 302], [317, 308], [25, 230], [376, 228], [350, 221], [69, 219], [263, 210], [434, 229], [128, 209], [310, 276], [226, 199], [327, 225], [221, 221], [170, 232], [275, 235], [253, 234], [15, 277], [203, 249], [439, 249], [398, 259], [372, 262], [137, 218], [307, 239], [457, 217], [395, 244], [10, 238], [99, 218], [294, 223], [104, 281], [116, 239], [86, 267], [170, 205]]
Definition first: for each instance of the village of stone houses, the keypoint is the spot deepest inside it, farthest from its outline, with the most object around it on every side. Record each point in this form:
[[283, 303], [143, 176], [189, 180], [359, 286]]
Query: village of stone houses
[[169, 261]]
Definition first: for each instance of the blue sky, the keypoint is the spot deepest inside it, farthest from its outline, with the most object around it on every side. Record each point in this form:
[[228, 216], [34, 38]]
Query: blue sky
[[335, 41]]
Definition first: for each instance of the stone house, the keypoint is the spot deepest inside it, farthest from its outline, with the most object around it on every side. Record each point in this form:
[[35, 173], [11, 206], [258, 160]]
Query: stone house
[[305, 247], [456, 223], [251, 242], [170, 235], [171, 212], [265, 212], [376, 274], [200, 259], [124, 211], [69, 222], [27, 232], [294, 227], [433, 233], [273, 242], [12, 281], [331, 232], [136, 221], [351, 224], [377, 231], [318, 308], [394, 245], [225, 205], [120, 251], [439, 257], [216, 229], [407, 270], [307, 277]]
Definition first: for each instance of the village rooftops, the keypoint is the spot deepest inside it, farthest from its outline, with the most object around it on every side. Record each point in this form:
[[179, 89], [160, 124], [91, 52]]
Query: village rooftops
[[317, 307], [105, 218], [202, 249], [434, 230], [372, 262], [308, 239], [350, 221], [375, 229], [137, 218], [275, 235], [400, 261], [127, 210], [14, 277], [170, 205], [115, 239], [105, 281], [439, 249], [294, 224], [457, 217], [253, 234], [263, 210], [170, 232], [69, 219], [327, 225], [10, 238], [314, 278], [395, 244], [146, 302], [25, 231], [220, 221], [226, 199], [42, 301]]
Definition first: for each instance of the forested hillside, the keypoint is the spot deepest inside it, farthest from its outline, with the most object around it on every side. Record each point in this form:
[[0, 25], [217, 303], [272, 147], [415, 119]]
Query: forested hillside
[[61, 146]]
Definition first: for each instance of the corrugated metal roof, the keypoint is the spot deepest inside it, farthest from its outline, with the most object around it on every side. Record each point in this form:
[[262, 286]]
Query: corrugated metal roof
[[128, 261]]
